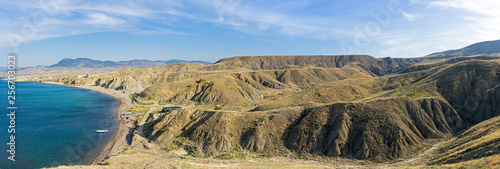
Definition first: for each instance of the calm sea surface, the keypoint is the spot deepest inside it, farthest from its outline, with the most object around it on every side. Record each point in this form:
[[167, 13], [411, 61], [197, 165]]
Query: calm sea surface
[[55, 125]]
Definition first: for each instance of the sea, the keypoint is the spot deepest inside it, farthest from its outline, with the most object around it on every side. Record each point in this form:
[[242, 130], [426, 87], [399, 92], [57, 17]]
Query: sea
[[54, 125]]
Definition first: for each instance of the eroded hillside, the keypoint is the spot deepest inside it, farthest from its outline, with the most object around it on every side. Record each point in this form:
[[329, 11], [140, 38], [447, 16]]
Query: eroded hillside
[[314, 106]]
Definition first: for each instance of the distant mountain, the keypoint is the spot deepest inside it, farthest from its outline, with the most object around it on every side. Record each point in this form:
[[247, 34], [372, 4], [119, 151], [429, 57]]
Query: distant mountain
[[85, 65], [90, 63], [5, 69], [481, 48]]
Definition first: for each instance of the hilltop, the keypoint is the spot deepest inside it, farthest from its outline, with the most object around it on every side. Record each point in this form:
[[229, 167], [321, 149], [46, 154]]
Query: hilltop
[[481, 48]]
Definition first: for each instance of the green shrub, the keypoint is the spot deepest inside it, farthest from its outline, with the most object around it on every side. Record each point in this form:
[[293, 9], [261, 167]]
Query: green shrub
[[201, 81], [191, 153], [488, 153]]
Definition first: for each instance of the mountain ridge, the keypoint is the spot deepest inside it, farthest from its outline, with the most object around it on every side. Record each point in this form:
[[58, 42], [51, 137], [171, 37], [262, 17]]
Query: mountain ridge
[[92, 63], [480, 48]]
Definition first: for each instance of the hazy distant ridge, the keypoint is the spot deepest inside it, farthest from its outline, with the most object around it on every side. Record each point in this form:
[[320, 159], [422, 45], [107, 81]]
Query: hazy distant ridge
[[481, 48], [90, 63]]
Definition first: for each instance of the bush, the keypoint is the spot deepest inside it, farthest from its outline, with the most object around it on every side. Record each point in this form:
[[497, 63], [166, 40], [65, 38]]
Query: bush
[[191, 153], [488, 153], [201, 81]]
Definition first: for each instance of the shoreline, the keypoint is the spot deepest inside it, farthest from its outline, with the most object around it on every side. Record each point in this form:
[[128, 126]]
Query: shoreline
[[119, 141]]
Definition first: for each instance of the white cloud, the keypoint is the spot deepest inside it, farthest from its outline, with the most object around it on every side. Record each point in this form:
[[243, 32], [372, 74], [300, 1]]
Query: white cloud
[[248, 18], [102, 19], [408, 16], [67, 18], [487, 19], [442, 25]]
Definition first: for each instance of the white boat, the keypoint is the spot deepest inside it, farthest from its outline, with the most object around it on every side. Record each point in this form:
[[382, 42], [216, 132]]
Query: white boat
[[101, 131]]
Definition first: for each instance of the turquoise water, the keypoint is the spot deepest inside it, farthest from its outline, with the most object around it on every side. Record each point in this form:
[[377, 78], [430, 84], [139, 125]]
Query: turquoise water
[[55, 125]]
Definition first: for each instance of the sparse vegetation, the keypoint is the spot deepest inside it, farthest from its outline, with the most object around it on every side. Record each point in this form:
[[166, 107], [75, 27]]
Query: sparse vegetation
[[146, 103], [419, 94], [300, 156], [171, 148], [266, 154], [231, 154], [191, 153], [187, 166], [208, 155], [139, 109], [127, 152]]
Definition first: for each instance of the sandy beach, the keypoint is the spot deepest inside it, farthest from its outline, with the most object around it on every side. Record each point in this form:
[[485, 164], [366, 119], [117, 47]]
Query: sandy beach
[[124, 135]]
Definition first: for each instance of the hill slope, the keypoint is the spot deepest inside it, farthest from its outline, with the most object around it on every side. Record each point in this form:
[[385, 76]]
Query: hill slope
[[309, 106], [481, 48], [376, 66]]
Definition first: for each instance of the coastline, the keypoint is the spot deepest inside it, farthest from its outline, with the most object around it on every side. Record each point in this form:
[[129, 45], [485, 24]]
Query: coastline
[[120, 141]]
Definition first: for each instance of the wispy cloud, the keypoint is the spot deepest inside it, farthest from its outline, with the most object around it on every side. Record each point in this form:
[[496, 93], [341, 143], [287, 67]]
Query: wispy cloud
[[239, 15], [485, 20], [420, 27], [442, 25], [408, 16], [102, 19], [36, 20], [248, 18]]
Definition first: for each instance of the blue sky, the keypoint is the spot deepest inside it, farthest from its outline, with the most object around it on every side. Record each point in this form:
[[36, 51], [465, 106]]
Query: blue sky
[[44, 32]]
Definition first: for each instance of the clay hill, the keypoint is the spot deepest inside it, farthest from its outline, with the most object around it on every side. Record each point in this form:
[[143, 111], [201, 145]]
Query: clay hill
[[375, 112]]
